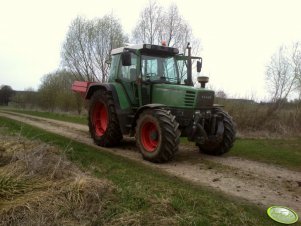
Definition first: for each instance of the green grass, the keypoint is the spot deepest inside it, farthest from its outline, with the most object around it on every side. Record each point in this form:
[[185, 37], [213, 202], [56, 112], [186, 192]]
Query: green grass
[[146, 196], [282, 152], [52, 115]]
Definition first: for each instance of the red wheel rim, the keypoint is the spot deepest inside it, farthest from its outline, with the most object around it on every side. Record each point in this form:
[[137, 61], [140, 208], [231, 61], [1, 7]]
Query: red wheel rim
[[149, 136], [100, 118]]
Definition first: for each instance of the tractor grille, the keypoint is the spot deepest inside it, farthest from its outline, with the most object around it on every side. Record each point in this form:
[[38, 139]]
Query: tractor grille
[[189, 98], [205, 99]]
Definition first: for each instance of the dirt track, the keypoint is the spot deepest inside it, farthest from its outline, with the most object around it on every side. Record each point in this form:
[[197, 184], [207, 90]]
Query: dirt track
[[262, 184]]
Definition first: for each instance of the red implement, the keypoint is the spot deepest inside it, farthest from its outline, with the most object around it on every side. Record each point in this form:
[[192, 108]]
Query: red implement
[[80, 87]]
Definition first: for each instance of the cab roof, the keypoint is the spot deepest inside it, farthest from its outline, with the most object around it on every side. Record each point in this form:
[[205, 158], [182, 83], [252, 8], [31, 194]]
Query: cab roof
[[147, 48]]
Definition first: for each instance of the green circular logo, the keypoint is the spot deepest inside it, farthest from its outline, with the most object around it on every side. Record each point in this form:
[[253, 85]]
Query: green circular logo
[[282, 214]]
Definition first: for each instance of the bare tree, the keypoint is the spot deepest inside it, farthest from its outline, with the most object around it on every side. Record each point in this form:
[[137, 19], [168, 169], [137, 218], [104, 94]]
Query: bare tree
[[283, 74], [74, 52], [88, 44], [278, 77], [149, 24], [156, 24], [296, 66], [107, 36]]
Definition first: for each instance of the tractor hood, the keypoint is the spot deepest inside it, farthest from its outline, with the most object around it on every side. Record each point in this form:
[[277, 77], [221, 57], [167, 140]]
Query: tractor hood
[[182, 96]]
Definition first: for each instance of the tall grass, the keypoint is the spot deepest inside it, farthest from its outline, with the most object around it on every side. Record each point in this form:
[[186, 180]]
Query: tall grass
[[11, 186], [253, 117], [39, 186]]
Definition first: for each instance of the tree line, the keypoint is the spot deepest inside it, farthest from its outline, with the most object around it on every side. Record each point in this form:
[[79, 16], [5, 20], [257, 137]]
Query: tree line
[[6, 92], [87, 48], [54, 94]]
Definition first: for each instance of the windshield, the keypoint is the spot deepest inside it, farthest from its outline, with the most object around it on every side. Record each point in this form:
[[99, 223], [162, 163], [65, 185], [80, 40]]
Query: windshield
[[162, 69]]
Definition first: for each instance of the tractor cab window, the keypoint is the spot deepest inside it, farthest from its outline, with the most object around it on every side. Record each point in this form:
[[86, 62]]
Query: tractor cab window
[[154, 68], [128, 73], [182, 68]]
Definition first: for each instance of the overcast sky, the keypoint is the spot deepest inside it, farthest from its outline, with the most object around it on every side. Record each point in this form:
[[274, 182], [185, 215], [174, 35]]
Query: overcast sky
[[238, 37]]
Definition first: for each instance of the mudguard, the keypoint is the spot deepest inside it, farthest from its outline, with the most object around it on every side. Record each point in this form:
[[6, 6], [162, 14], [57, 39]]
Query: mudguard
[[147, 106]]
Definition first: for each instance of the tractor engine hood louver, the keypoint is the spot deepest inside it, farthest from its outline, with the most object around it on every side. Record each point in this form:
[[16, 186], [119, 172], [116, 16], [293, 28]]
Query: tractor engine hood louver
[[189, 98]]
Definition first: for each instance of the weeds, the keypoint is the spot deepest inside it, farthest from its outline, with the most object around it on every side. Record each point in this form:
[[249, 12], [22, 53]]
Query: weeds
[[257, 118], [10, 186], [39, 186]]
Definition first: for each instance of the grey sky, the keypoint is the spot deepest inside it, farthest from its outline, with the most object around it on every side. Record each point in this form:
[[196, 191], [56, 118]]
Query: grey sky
[[238, 36]]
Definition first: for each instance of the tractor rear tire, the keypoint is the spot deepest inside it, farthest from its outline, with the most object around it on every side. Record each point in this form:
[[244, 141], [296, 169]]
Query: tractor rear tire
[[103, 121], [157, 135], [228, 137]]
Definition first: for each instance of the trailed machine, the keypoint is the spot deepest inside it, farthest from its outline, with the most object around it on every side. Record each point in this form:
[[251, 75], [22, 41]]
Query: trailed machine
[[150, 95]]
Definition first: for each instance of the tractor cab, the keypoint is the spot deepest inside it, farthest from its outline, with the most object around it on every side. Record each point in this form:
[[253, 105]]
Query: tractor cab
[[154, 64], [141, 69]]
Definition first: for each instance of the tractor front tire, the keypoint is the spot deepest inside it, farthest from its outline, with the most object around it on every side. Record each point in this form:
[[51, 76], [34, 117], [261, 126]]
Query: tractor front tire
[[157, 135], [227, 140], [103, 122]]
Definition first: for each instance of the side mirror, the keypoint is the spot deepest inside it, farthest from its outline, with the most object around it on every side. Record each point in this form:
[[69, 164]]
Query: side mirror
[[126, 59], [199, 65]]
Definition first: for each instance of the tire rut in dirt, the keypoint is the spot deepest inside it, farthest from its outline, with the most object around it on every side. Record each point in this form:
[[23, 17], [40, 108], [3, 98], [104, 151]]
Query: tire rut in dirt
[[111, 135], [167, 143]]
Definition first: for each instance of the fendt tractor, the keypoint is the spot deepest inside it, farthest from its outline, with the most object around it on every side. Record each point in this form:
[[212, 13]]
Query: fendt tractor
[[150, 95]]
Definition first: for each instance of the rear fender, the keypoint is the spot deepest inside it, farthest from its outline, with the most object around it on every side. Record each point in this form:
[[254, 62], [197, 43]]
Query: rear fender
[[86, 89], [97, 86]]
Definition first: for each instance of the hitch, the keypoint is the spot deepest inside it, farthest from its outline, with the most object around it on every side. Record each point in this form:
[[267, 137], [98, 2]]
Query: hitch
[[196, 126], [216, 128]]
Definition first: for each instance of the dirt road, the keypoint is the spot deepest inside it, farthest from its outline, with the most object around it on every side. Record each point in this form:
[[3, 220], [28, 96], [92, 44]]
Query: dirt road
[[262, 184]]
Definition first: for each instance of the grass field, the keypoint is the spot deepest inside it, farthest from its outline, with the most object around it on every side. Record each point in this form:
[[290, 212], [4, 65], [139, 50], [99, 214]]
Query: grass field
[[144, 196], [57, 116], [282, 152]]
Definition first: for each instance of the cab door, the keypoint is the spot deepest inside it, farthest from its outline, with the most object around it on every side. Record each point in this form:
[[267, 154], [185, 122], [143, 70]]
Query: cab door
[[127, 76]]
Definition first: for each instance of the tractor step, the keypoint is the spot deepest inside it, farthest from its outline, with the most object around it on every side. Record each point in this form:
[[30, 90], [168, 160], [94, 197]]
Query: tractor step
[[131, 116], [130, 121]]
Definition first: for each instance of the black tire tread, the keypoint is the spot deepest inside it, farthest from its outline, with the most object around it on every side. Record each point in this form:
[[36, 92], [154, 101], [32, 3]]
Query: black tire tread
[[170, 135], [113, 135], [228, 137]]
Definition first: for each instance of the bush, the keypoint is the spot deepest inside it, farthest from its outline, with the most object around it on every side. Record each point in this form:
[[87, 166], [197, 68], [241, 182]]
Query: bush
[[260, 117]]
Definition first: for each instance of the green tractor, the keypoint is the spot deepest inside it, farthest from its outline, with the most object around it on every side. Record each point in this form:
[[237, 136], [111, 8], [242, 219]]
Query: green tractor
[[150, 95]]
